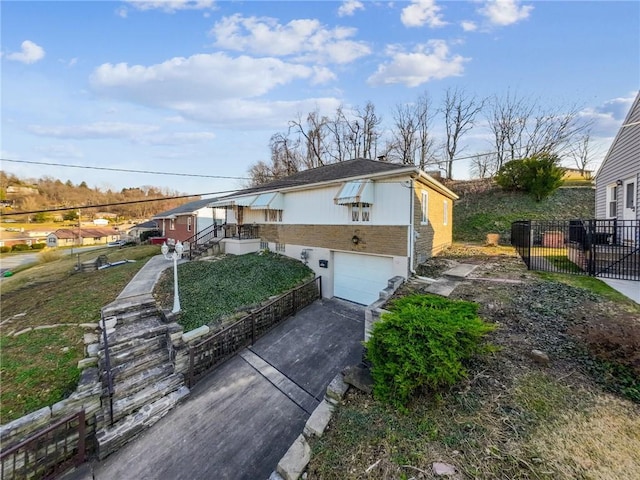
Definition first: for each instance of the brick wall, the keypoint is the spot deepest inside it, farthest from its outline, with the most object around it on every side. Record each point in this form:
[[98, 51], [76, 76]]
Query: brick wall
[[433, 236], [383, 240]]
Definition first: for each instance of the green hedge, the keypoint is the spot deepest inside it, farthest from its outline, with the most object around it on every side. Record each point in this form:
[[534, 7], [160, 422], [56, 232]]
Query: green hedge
[[423, 343]]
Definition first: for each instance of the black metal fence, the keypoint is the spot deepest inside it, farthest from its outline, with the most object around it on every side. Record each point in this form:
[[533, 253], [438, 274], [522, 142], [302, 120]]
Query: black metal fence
[[48, 453], [211, 352], [599, 248]]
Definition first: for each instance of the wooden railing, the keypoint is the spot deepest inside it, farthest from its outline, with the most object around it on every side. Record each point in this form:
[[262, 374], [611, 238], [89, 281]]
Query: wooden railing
[[211, 352], [48, 453]]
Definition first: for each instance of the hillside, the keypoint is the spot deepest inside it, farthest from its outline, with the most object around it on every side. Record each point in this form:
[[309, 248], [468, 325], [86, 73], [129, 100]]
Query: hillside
[[484, 208]]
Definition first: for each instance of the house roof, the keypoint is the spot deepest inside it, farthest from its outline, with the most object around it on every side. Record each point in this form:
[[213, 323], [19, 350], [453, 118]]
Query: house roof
[[185, 209], [147, 224], [350, 169], [633, 111], [84, 232]]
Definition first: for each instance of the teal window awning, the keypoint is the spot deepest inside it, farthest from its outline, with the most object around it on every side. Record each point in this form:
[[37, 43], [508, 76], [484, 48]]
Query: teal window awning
[[360, 191], [268, 201], [232, 202]]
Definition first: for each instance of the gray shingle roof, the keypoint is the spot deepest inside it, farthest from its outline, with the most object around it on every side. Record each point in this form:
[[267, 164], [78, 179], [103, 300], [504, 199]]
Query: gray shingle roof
[[186, 208], [335, 171]]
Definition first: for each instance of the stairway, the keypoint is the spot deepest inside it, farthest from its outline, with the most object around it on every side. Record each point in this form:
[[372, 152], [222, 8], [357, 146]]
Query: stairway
[[144, 384], [205, 242]]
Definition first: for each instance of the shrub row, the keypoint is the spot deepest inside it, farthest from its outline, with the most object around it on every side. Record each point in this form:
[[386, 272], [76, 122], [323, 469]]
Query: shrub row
[[22, 247]]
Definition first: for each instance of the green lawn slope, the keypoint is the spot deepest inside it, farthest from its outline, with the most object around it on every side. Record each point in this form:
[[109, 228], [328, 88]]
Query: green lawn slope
[[484, 208]]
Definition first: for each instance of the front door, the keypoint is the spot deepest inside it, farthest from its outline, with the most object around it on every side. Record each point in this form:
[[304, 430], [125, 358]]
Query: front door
[[629, 199]]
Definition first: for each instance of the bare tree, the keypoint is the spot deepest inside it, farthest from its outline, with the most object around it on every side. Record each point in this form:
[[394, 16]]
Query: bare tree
[[314, 132], [507, 118], [482, 165], [580, 152], [460, 110], [522, 128], [424, 114], [402, 147]]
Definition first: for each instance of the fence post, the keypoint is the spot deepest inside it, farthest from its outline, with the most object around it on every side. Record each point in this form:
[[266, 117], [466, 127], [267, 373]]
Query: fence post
[[81, 439], [320, 286], [253, 328], [591, 264], [191, 366]]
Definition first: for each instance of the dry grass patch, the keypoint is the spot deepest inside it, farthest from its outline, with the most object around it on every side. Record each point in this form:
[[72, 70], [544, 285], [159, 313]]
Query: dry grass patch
[[602, 442]]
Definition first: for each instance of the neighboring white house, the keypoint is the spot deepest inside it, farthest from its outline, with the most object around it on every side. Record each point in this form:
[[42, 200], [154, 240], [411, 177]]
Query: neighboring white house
[[356, 223], [69, 237], [617, 180]]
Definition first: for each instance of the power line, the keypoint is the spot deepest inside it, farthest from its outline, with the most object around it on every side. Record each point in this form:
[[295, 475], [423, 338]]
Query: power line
[[129, 202], [152, 172]]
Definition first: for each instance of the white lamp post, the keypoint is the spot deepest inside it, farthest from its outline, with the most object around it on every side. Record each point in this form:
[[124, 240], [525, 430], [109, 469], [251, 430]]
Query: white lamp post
[[175, 255]]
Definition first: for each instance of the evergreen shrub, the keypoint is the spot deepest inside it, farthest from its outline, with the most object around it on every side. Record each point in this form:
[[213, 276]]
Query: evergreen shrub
[[423, 343]]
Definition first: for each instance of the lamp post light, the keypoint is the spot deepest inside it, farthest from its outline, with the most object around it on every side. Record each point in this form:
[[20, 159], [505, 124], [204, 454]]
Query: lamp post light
[[175, 255]]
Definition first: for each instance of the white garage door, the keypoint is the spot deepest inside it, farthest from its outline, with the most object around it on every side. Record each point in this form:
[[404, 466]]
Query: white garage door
[[360, 278]]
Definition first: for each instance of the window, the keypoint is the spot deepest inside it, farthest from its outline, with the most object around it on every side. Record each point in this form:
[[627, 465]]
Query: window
[[172, 224], [189, 224], [445, 212], [279, 247], [612, 201], [272, 215], [264, 245], [425, 208], [360, 212], [631, 190]]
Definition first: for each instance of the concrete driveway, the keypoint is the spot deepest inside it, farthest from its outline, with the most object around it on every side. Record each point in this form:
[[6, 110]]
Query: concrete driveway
[[241, 419]]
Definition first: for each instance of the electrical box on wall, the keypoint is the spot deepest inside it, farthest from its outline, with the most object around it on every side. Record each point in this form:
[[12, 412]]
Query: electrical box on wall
[[324, 263]]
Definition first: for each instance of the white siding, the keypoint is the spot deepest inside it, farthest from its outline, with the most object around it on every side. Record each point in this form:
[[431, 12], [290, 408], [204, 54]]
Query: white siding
[[316, 207], [622, 161]]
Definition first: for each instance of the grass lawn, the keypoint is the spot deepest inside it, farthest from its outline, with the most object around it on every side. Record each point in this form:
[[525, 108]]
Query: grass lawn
[[39, 367], [210, 291]]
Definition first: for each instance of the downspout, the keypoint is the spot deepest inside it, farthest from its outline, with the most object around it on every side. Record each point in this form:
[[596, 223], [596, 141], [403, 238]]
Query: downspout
[[411, 239]]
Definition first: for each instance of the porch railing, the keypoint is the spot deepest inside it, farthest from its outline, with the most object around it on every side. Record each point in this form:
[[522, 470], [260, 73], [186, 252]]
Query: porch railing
[[203, 237], [211, 352], [48, 453], [242, 232], [600, 248]]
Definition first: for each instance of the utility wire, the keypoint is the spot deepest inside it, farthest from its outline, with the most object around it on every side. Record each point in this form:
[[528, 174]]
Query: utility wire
[[152, 172], [129, 202]]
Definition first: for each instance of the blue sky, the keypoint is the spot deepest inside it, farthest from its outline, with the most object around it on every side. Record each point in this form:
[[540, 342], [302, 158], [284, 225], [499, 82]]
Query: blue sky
[[199, 87]]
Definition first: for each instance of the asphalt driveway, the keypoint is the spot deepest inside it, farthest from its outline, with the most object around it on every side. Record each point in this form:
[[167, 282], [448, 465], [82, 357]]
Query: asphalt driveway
[[239, 421]]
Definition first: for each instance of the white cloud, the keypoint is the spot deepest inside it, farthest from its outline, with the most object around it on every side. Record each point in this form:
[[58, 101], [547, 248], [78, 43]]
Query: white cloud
[[171, 6], [307, 39], [349, 7], [93, 130], [430, 61], [29, 53], [608, 117], [122, 12], [505, 12], [468, 26], [60, 151], [176, 138], [422, 12], [201, 77], [213, 88]]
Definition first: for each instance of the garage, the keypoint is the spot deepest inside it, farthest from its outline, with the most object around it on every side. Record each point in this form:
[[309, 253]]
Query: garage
[[359, 278]]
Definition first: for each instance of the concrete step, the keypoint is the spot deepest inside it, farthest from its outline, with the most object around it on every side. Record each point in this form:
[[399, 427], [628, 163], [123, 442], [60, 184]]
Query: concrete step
[[148, 395], [130, 316], [143, 329], [126, 351], [137, 382], [125, 370], [129, 304], [111, 438]]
